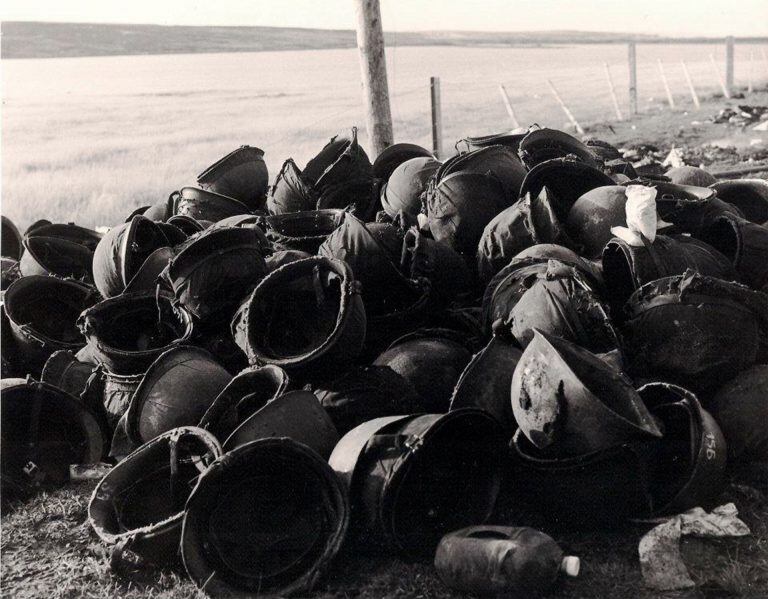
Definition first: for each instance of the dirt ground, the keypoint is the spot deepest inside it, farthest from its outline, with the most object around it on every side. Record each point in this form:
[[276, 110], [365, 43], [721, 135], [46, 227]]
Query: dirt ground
[[49, 550]]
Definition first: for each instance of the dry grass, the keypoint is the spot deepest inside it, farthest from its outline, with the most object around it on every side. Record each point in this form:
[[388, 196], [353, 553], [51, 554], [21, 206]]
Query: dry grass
[[49, 550], [90, 139]]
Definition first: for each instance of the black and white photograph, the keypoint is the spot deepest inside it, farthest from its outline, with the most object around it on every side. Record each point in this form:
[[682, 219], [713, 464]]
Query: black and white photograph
[[362, 299]]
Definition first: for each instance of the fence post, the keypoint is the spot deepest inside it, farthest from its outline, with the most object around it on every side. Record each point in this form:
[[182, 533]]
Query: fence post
[[437, 117], [566, 110], [632, 80], [729, 64], [750, 88], [718, 76], [694, 95], [666, 83], [508, 104], [370, 44], [613, 92]]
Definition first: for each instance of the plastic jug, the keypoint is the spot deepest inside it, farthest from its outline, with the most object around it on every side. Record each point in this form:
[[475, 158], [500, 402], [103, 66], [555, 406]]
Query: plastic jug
[[495, 559]]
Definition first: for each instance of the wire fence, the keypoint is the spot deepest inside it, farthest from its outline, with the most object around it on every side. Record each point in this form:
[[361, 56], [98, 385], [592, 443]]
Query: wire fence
[[473, 105]]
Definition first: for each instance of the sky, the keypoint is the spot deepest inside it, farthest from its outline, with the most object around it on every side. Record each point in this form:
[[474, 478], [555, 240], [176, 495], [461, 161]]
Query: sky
[[663, 17]]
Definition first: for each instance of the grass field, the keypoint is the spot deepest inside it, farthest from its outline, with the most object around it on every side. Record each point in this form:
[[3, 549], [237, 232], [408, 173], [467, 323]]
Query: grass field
[[49, 550], [90, 139]]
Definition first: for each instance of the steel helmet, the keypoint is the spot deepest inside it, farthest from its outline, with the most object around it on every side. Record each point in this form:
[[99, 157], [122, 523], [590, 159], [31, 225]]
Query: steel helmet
[[414, 478], [744, 243], [497, 161], [265, 519], [405, 187], [122, 252], [691, 209], [249, 390], [448, 274], [569, 402], [507, 139], [188, 225], [485, 382], [303, 231], [44, 431], [306, 317], [739, 406], [241, 174], [564, 180], [540, 145], [431, 360], [667, 317], [687, 466], [176, 390], [82, 381], [296, 415], [529, 222], [750, 196], [291, 193], [365, 393], [213, 271], [43, 313], [627, 267], [201, 204], [372, 251], [592, 216], [460, 207], [541, 253], [690, 175], [341, 159], [559, 301], [128, 332], [10, 239], [602, 149], [56, 257], [566, 489], [70, 231], [139, 504], [393, 156]]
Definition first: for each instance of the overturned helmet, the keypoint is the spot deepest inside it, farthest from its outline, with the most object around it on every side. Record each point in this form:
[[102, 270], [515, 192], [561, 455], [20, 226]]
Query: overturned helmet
[[266, 518], [241, 174]]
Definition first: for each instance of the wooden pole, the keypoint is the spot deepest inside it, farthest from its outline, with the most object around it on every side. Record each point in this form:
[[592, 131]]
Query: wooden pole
[[718, 76], [437, 117], [729, 63], [373, 64], [508, 104], [566, 110], [613, 92], [670, 99], [632, 80], [765, 58], [750, 88], [694, 95]]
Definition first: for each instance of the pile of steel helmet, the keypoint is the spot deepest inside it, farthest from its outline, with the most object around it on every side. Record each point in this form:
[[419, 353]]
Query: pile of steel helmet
[[362, 353]]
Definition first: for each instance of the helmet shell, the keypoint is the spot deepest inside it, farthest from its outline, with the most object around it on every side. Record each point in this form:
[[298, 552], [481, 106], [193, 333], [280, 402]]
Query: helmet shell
[[128, 332], [406, 185], [267, 494], [740, 408], [176, 391], [568, 402], [43, 313], [395, 155], [306, 317], [406, 474], [241, 174], [139, 504], [690, 175]]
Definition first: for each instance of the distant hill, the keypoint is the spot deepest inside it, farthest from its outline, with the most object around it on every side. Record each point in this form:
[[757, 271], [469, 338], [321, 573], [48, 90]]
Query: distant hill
[[21, 39]]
